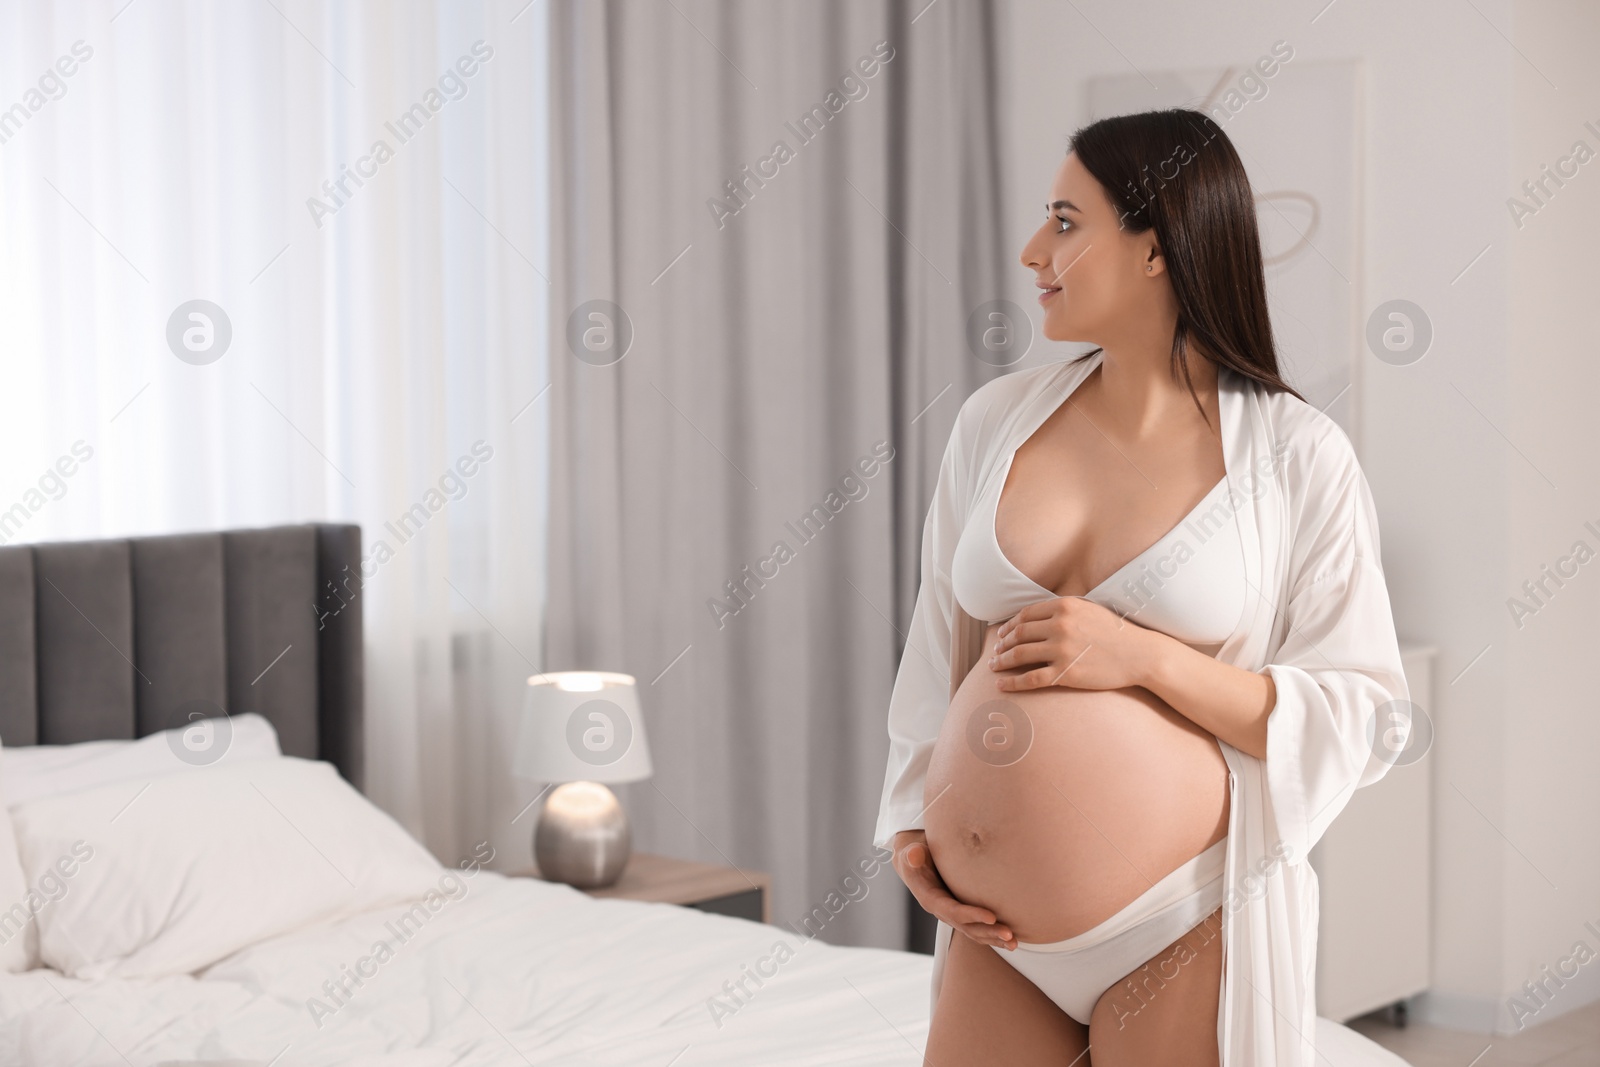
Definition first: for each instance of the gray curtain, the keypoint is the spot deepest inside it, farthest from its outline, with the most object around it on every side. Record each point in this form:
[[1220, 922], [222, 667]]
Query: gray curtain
[[771, 343]]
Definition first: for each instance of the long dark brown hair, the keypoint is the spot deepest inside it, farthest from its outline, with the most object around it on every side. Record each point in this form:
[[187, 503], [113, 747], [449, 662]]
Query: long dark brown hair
[[1176, 171]]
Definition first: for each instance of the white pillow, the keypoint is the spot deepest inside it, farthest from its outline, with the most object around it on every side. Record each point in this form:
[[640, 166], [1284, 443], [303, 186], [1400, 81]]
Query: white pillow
[[174, 874], [19, 939], [33, 772], [36, 771]]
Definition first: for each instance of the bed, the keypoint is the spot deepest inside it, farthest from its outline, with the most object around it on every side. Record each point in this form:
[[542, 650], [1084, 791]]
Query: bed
[[518, 972], [129, 650], [122, 639]]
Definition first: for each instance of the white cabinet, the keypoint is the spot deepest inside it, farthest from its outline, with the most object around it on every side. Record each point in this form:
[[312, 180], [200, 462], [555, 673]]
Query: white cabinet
[[1374, 872]]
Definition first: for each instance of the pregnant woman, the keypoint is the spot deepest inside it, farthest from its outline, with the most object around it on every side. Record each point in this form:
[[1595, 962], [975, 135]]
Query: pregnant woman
[[1152, 654]]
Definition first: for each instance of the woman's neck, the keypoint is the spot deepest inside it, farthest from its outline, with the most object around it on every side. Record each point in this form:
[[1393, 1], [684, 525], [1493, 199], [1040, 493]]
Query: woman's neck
[[1137, 391]]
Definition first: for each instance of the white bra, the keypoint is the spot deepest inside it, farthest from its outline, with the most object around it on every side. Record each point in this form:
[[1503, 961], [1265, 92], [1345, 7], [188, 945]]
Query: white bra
[[1189, 585]]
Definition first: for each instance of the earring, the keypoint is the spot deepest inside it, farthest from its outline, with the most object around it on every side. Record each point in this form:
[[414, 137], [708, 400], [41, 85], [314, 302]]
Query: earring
[[1149, 268]]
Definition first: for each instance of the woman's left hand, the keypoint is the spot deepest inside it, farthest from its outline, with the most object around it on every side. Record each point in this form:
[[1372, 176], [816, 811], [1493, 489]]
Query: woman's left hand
[[1073, 642]]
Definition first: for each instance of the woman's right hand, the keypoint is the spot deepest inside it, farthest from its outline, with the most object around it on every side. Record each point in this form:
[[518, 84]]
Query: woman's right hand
[[913, 862]]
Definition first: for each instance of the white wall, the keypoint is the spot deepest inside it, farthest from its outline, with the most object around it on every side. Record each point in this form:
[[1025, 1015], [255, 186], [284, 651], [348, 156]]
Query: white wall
[[1551, 729], [1453, 445]]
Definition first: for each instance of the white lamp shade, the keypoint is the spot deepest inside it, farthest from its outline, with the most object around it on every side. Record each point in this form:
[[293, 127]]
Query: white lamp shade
[[582, 726]]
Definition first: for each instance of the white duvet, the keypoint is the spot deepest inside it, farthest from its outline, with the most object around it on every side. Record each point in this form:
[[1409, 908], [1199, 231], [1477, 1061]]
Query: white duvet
[[515, 971]]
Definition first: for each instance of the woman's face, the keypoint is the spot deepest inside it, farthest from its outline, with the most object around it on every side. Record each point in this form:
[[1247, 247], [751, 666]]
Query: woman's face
[[1091, 271]]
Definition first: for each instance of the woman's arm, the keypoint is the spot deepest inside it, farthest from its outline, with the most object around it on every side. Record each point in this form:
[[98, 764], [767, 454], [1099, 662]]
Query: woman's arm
[[1074, 642], [1230, 702], [921, 693]]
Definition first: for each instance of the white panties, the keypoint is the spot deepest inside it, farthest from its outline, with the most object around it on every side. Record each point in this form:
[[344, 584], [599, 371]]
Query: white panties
[[1075, 972]]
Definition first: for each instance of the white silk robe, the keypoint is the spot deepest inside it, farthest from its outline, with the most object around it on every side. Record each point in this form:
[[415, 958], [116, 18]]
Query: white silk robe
[[1317, 620]]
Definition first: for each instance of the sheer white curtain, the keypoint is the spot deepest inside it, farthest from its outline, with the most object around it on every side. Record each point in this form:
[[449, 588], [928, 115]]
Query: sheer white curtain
[[359, 188]]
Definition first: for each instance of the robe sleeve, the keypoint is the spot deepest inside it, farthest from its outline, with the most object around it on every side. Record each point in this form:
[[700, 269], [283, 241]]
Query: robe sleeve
[[921, 693], [1337, 673]]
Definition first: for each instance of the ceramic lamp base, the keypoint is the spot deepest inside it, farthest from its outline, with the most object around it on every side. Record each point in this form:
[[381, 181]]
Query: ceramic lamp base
[[582, 836]]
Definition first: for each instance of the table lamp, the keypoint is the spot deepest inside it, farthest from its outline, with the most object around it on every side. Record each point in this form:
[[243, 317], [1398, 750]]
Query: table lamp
[[582, 729]]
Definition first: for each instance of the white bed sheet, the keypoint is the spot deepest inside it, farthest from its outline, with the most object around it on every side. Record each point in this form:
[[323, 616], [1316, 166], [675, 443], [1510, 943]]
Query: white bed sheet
[[516, 971]]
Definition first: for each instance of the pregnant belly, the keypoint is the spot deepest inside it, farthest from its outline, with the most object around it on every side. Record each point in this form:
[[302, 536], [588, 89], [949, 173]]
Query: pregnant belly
[[1056, 807]]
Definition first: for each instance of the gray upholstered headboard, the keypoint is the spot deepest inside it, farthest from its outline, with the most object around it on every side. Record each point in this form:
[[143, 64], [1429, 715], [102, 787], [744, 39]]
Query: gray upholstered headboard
[[122, 638]]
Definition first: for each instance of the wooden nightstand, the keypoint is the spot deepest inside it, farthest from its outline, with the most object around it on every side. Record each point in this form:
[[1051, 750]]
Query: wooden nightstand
[[707, 886]]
